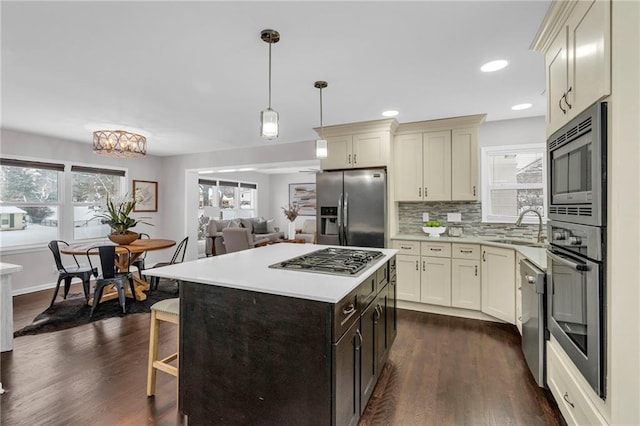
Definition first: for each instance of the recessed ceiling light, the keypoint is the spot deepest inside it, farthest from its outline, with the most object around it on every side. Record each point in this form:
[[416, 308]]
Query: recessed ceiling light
[[494, 65], [390, 113], [521, 107]]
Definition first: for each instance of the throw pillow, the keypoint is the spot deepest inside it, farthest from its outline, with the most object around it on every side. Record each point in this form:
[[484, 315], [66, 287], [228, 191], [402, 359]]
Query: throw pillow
[[247, 223], [271, 226], [260, 227], [234, 223]]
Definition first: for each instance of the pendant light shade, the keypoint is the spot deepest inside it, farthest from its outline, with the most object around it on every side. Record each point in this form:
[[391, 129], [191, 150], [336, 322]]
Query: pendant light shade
[[269, 120], [321, 144]]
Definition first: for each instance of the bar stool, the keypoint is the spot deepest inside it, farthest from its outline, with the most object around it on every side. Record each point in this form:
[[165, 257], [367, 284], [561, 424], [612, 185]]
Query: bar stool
[[165, 310]]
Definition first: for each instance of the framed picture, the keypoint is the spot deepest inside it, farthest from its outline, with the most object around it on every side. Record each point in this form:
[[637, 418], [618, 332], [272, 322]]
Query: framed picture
[[145, 192], [304, 196]]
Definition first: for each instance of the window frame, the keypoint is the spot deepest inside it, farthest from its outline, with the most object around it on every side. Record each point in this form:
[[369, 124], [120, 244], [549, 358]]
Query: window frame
[[489, 151]]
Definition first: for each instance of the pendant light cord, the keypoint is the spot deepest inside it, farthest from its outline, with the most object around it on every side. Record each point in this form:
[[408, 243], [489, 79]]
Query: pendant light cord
[[270, 75], [321, 129]]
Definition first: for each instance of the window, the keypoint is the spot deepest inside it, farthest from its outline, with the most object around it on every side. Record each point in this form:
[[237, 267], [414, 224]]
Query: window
[[89, 190], [30, 205], [513, 180]]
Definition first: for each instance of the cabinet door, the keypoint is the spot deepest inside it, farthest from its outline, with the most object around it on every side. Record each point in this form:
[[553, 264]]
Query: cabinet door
[[465, 284], [436, 281], [370, 323], [339, 154], [589, 54], [557, 64], [408, 167], [464, 164], [498, 283], [370, 150], [408, 272], [436, 151], [518, 294], [392, 310], [346, 353]]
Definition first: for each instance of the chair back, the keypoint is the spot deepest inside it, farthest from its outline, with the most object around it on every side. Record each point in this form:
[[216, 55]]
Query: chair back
[[180, 251], [54, 246], [107, 259], [142, 236], [236, 239]]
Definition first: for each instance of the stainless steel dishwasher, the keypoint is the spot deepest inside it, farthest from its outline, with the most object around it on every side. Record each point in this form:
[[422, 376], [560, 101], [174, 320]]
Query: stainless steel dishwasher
[[534, 329]]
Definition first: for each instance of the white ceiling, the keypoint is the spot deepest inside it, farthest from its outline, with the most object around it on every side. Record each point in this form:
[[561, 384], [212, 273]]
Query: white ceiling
[[192, 76]]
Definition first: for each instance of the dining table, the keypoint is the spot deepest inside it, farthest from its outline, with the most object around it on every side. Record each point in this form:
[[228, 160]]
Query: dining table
[[123, 261]]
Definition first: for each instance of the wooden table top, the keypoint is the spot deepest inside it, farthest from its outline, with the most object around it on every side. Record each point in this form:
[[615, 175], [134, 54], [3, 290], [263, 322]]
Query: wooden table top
[[138, 246]]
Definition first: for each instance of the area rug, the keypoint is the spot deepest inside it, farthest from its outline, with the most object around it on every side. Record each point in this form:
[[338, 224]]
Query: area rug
[[74, 311]]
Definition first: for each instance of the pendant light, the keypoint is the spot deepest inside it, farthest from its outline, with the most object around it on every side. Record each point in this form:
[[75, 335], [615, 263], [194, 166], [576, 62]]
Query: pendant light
[[268, 117], [321, 144]]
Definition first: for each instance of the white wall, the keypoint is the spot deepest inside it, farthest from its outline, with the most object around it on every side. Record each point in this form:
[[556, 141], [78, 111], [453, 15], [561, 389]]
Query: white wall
[[38, 264], [280, 197], [513, 132]]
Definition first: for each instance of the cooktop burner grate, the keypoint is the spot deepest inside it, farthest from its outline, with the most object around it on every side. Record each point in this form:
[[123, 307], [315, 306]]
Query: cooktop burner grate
[[336, 261]]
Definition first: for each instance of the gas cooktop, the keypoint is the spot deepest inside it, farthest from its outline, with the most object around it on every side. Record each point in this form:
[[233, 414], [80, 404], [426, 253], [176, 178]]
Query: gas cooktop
[[335, 261]]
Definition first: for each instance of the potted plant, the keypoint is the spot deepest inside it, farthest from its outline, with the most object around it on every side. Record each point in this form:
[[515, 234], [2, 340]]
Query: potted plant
[[117, 216], [291, 212]]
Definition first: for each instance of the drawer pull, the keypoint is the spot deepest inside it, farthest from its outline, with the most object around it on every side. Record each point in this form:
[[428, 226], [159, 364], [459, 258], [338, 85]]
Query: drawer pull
[[435, 249], [566, 398], [466, 251], [405, 247], [349, 309]]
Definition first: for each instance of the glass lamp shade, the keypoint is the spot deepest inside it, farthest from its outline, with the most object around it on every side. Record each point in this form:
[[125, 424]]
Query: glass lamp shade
[[321, 148], [269, 124], [119, 144]]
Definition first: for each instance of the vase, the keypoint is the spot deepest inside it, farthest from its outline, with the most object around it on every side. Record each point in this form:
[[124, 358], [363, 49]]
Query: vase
[[123, 239], [291, 231]]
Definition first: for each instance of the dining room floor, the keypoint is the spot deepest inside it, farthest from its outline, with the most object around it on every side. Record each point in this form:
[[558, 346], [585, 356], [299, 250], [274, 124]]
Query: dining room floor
[[441, 371]]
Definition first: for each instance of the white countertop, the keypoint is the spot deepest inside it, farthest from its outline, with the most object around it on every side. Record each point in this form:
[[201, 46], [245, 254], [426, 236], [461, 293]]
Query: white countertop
[[537, 255], [9, 268], [249, 270]]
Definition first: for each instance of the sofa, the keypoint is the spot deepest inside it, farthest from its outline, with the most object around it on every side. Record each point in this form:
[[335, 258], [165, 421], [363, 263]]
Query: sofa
[[261, 229]]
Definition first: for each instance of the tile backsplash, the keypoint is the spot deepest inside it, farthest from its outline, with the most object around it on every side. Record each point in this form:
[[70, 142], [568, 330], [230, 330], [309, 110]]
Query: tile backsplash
[[410, 220]]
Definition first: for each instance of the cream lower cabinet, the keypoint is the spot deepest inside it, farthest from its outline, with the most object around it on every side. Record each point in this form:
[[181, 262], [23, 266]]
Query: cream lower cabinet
[[498, 283], [465, 276], [435, 281], [408, 272]]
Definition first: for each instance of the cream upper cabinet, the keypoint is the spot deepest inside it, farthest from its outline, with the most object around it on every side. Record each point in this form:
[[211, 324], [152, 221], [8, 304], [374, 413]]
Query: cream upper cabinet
[[438, 165], [576, 44], [436, 172], [338, 153], [358, 145], [464, 164], [498, 283], [408, 159]]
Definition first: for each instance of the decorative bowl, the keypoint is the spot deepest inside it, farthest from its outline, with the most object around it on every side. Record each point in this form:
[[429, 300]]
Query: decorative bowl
[[123, 239], [434, 231]]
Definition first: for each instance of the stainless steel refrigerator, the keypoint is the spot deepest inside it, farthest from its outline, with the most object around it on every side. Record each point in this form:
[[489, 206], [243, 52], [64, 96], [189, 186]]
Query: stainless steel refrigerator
[[352, 207]]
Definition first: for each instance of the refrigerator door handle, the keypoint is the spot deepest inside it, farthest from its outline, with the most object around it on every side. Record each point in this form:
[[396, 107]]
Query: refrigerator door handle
[[345, 225], [339, 220]]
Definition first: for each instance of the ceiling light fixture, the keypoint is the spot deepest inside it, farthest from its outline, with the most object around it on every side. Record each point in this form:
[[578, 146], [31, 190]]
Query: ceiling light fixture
[[494, 65], [520, 107], [321, 144], [390, 113], [119, 144], [268, 117]]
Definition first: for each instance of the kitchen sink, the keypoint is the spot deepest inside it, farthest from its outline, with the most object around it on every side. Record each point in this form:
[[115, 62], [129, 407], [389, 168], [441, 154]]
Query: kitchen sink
[[527, 243]]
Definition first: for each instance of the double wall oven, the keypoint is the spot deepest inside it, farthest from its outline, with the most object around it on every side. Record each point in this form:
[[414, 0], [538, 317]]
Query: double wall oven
[[576, 258]]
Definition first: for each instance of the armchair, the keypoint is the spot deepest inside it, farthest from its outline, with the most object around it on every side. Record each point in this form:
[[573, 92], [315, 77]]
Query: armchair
[[236, 239], [308, 231]]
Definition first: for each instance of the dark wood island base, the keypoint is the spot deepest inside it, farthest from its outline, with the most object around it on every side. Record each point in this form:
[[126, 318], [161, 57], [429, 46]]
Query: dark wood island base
[[256, 358]]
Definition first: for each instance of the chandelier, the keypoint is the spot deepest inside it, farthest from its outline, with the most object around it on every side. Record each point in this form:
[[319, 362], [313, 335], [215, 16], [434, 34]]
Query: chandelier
[[119, 144]]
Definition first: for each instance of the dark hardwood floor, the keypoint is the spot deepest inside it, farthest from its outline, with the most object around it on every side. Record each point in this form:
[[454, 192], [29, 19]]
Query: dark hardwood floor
[[442, 371]]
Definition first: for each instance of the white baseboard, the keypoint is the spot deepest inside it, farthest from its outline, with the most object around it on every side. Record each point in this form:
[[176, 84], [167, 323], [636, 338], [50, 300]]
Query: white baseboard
[[35, 288]]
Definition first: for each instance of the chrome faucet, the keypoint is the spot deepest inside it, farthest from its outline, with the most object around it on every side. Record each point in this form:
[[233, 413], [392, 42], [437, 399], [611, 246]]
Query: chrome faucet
[[519, 222]]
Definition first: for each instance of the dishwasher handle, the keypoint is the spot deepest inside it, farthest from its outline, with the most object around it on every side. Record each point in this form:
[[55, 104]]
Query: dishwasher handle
[[532, 275]]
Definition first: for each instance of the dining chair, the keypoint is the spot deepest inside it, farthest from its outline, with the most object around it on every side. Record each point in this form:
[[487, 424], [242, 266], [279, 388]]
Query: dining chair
[[67, 273], [110, 275], [139, 262], [178, 257]]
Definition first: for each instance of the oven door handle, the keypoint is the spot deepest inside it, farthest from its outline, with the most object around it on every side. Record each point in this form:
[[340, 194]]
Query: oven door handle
[[567, 262]]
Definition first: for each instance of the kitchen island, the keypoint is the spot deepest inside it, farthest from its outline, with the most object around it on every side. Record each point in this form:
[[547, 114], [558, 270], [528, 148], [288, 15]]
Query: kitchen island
[[272, 346]]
